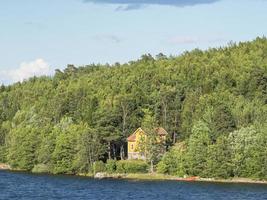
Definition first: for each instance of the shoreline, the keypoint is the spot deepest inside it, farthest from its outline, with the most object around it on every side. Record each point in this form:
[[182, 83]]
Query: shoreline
[[151, 177], [4, 166], [234, 180], [163, 177]]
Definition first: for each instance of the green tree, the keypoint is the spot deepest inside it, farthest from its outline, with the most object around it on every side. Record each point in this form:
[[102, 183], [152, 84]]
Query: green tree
[[197, 152], [152, 146], [219, 163], [248, 152]]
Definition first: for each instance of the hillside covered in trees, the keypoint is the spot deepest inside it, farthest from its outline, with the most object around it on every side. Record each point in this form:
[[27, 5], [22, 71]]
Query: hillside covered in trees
[[212, 103]]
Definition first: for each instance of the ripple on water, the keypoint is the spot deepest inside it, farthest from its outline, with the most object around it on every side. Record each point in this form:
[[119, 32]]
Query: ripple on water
[[33, 187]]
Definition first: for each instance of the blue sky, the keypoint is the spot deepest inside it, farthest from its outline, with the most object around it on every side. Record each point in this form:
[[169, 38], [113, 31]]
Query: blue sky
[[38, 36]]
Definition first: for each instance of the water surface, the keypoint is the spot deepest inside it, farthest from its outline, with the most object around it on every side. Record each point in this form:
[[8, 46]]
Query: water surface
[[34, 187]]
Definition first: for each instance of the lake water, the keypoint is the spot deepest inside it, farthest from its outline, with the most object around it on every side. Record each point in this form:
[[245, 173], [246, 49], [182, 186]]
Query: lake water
[[30, 186]]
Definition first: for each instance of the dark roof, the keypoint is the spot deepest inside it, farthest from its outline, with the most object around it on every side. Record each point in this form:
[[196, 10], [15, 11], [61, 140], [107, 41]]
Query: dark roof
[[131, 138], [161, 131]]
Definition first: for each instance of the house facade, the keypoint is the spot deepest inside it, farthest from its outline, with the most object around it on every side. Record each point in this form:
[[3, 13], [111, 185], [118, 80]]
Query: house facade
[[136, 139]]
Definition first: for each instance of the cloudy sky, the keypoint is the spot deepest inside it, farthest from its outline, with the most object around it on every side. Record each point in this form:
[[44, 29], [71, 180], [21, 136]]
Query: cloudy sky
[[38, 36]]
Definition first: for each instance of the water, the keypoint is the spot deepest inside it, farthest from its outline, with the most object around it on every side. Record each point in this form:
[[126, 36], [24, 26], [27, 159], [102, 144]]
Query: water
[[35, 187]]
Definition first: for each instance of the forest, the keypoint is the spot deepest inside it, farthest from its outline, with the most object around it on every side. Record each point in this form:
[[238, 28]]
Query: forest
[[213, 104]]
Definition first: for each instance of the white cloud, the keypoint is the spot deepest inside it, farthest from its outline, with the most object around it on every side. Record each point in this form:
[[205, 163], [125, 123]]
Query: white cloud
[[26, 70]]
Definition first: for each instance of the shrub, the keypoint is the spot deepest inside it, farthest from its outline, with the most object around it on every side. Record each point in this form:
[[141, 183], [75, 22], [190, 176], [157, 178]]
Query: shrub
[[40, 168], [111, 166], [3, 153], [132, 166], [173, 161], [162, 167], [99, 166]]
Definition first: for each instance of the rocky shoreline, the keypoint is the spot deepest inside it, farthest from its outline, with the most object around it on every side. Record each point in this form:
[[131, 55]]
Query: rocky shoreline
[[151, 177], [233, 180], [4, 166], [158, 177]]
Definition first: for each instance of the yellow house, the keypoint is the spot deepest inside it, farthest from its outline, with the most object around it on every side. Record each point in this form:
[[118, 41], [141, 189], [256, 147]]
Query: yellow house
[[136, 138]]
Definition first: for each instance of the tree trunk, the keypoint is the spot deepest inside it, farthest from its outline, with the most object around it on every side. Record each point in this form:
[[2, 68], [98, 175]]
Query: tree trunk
[[164, 104], [109, 151], [175, 125], [122, 152], [124, 117], [174, 138], [151, 167], [114, 151]]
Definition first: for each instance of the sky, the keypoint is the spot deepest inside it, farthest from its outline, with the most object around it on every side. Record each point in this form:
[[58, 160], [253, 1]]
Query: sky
[[39, 36]]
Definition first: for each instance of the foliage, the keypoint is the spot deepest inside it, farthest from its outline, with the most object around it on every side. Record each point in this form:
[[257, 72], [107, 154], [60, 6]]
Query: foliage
[[197, 150], [219, 163], [40, 168], [111, 166], [132, 166], [173, 162], [248, 152], [213, 101], [241, 154], [99, 166], [152, 146]]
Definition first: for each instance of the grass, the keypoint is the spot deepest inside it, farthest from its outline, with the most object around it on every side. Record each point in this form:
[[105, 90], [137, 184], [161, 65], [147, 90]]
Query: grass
[[149, 176]]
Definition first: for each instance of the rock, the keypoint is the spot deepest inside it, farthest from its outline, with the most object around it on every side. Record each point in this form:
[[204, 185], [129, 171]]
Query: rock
[[100, 175], [4, 166]]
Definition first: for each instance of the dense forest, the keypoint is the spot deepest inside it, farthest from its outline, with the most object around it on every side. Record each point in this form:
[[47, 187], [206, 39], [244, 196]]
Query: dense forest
[[212, 103]]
